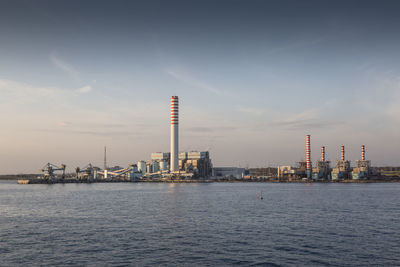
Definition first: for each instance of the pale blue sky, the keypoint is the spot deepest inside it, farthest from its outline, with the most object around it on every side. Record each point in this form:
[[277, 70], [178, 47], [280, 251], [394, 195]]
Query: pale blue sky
[[253, 77]]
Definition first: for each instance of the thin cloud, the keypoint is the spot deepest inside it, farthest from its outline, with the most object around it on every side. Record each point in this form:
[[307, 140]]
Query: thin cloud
[[251, 110], [15, 91], [63, 124], [308, 119], [64, 66], [84, 90], [393, 109], [20, 90], [103, 133], [295, 45], [210, 129], [192, 81]]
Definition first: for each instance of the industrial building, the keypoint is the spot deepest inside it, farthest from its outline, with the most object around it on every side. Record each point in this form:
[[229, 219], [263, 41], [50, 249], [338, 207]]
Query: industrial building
[[192, 164], [196, 163], [289, 173], [228, 172], [363, 167], [286, 172], [322, 171], [263, 172], [342, 171]]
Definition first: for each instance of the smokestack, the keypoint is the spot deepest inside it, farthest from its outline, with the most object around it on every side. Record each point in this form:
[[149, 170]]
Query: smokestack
[[174, 164], [362, 152], [342, 152], [308, 156], [322, 153]]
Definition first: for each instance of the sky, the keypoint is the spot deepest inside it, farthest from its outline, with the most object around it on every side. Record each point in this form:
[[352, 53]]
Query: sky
[[253, 78]]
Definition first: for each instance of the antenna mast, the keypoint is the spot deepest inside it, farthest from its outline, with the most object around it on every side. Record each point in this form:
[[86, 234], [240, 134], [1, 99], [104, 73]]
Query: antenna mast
[[105, 158]]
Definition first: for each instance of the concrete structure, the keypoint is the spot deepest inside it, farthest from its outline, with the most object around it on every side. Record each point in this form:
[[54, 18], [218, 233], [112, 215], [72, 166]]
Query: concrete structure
[[343, 169], [163, 165], [286, 172], [174, 164], [183, 155], [363, 167], [342, 153], [228, 172], [158, 156], [196, 162], [308, 156], [155, 166], [141, 165], [322, 170], [262, 172]]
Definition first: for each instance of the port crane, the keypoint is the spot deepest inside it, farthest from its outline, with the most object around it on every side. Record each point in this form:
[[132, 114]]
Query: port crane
[[49, 170], [87, 172]]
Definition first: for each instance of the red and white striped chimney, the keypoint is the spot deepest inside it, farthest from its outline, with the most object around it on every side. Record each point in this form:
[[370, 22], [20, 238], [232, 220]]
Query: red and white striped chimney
[[174, 161], [362, 152], [342, 153], [322, 153], [308, 152]]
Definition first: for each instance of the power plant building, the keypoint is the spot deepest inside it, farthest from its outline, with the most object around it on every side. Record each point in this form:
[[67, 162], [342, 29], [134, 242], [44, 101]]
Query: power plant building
[[322, 171], [343, 169], [363, 167], [160, 156], [196, 162], [228, 172]]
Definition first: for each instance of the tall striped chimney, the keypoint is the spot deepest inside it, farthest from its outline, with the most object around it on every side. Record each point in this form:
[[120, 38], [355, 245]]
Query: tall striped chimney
[[342, 152], [174, 161], [362, 152], [322, 153], [308, 156]]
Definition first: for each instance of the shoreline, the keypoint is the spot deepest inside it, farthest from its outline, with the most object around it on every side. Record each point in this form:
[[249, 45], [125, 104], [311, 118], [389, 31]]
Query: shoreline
[[75, 181]]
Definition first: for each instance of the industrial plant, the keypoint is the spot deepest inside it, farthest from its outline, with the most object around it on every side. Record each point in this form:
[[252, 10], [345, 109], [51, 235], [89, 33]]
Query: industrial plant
[[323, 172], [196, 166], [173, 165]]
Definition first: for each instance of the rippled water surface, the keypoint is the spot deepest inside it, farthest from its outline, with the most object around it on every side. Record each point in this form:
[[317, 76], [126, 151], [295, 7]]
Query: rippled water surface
[[199, 224]]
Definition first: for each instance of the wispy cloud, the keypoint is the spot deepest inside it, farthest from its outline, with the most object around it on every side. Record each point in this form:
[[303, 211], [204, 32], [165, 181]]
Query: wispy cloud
[[103, 133], [192, 81], [63, 124], [64, 66], [393, 109], [211, 129], [296, 45], [308, 119], [24, 92], [84, 90], [20, 90], [251, 110]]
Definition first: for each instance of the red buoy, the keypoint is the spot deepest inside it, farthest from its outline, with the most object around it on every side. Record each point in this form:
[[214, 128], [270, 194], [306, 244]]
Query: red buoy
[[261, 197]]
